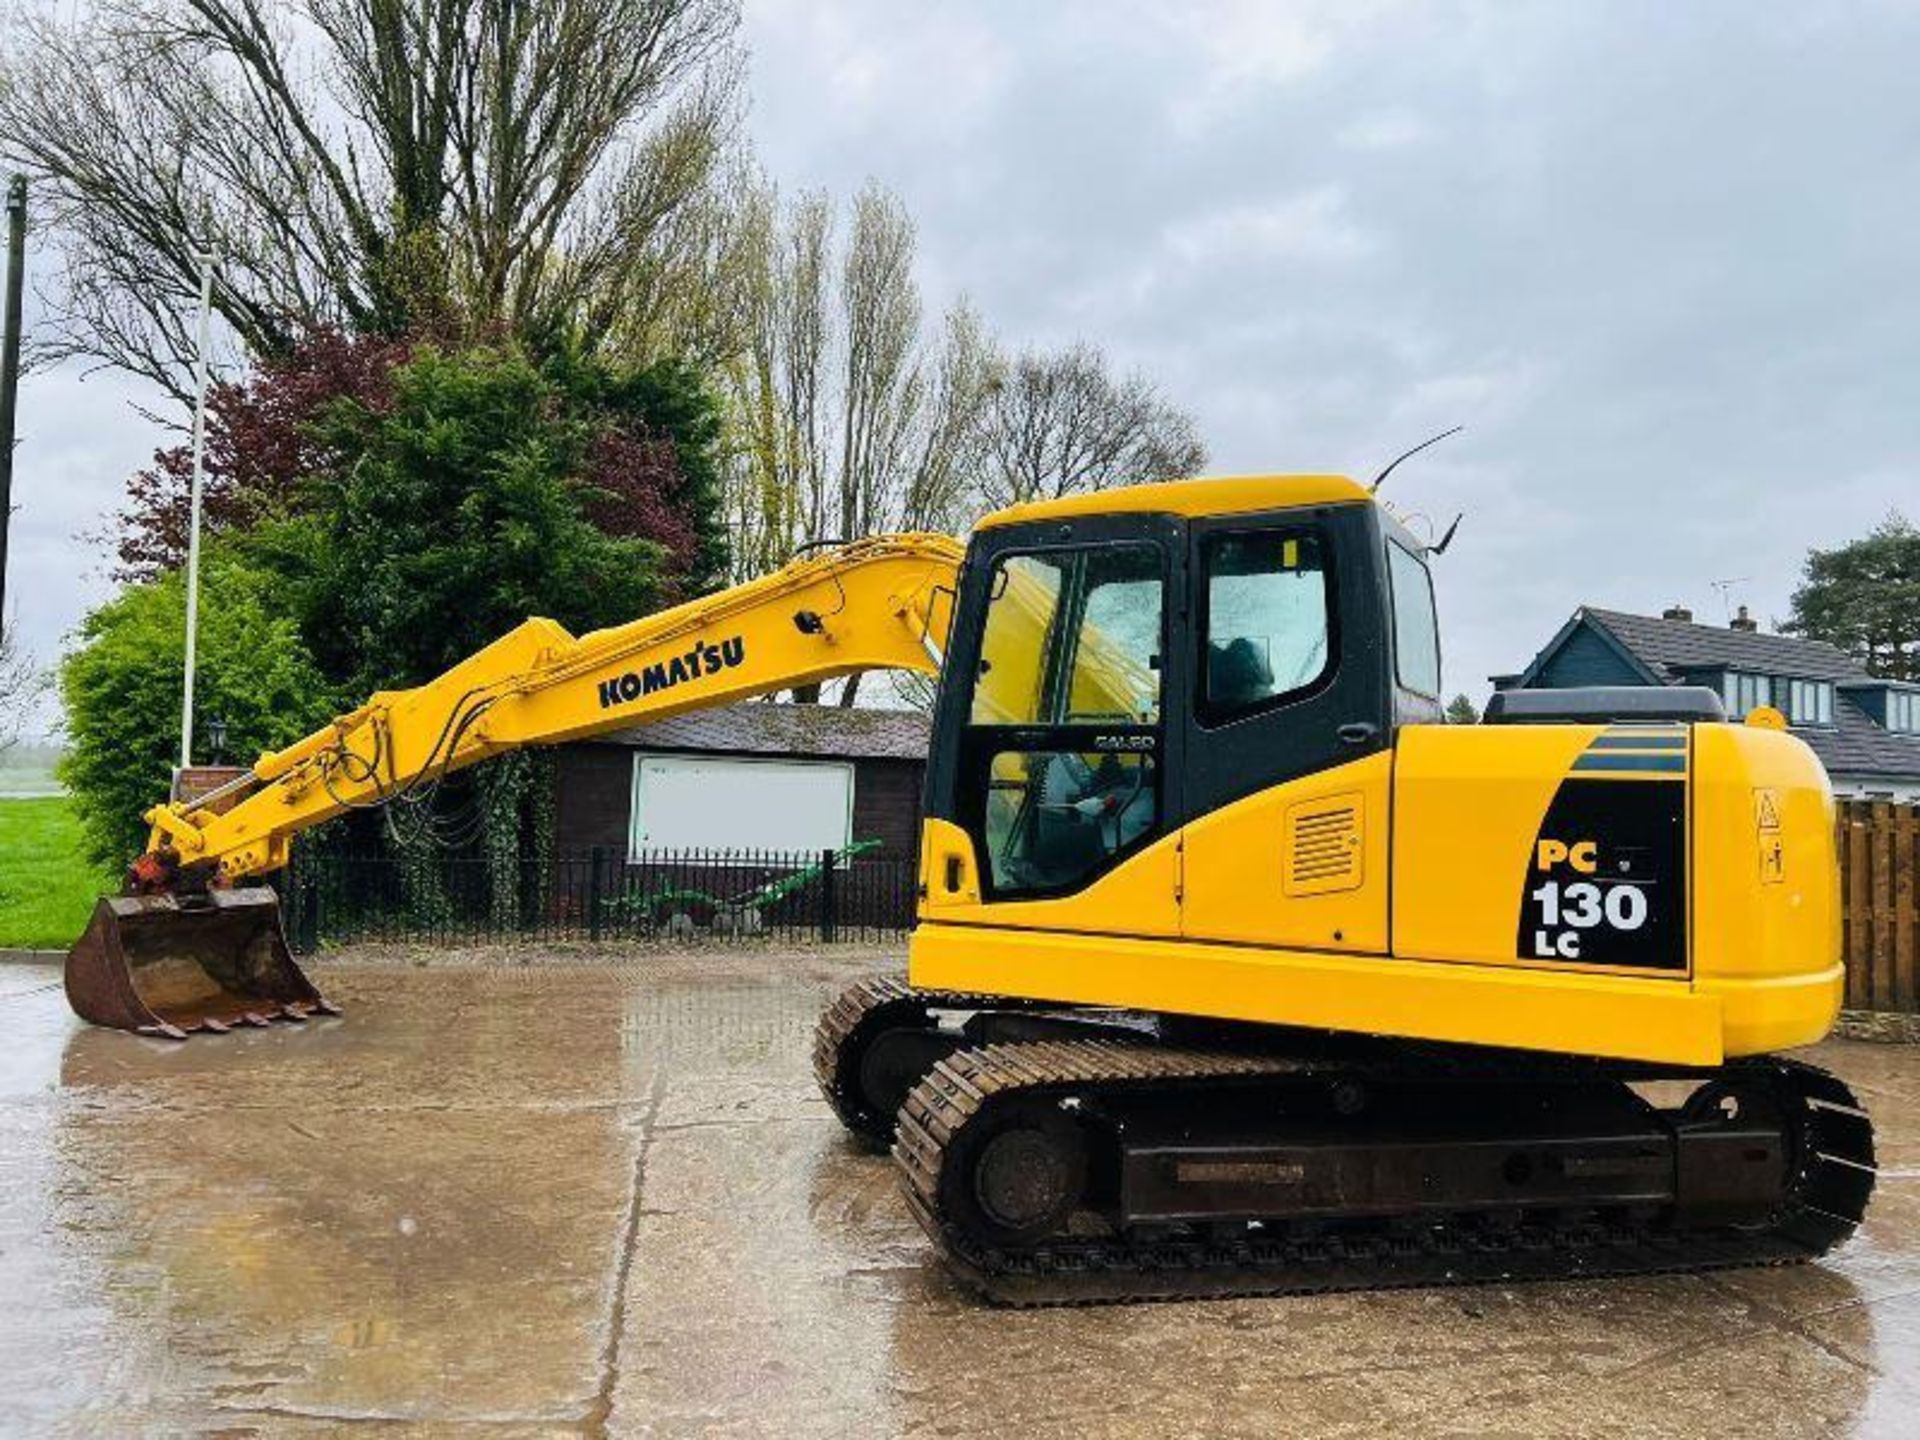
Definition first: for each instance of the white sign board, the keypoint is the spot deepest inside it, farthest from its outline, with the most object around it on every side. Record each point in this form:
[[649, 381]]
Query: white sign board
[[686, 802]]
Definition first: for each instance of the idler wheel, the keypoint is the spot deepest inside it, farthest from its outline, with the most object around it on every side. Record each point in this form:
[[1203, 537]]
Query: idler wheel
[[1018, 1181]]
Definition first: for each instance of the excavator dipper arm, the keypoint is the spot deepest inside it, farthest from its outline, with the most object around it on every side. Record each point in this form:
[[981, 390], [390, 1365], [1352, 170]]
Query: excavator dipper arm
[[192, 947]]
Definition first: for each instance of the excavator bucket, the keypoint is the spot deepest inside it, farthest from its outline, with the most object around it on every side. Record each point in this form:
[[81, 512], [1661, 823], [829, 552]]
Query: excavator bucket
[[169, 965]]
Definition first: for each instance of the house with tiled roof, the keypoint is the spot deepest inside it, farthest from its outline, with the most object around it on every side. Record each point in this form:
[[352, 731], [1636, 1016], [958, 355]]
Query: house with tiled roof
[[1866, 731]]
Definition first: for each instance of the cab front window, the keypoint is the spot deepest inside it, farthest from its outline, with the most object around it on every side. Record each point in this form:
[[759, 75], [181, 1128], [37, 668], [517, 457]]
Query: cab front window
[[1072, 638]]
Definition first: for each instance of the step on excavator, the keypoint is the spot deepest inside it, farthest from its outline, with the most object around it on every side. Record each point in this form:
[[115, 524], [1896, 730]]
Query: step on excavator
[[1235, 971]]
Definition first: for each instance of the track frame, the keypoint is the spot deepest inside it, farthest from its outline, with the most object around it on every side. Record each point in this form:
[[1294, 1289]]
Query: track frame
[[1629, 1219]]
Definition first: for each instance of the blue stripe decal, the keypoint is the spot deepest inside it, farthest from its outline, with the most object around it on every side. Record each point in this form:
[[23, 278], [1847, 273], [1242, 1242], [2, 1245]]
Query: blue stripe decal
[[1638, 742], [1639, 764]]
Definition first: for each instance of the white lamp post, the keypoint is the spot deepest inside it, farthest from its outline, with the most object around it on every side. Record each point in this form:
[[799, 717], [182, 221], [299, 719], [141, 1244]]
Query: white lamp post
[[208, 264]]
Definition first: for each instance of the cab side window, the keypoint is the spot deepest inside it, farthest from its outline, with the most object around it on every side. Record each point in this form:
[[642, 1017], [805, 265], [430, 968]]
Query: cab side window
[[1416, 628], [1269, 628]]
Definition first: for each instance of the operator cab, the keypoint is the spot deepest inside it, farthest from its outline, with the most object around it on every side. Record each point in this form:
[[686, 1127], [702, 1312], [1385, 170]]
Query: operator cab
[[1125, 663]]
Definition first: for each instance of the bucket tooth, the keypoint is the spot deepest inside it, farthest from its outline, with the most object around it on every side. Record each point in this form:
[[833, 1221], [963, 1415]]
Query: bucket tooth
[[169, 964]]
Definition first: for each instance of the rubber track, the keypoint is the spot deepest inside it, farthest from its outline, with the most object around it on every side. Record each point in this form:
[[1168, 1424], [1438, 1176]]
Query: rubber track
[[881, 1001], [1828, 1196]]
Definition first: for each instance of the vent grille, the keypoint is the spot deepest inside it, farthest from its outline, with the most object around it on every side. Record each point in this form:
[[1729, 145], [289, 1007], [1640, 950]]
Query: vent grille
[[1324, 845]]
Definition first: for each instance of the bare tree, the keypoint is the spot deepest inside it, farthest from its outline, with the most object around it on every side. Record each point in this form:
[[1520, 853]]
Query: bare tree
[[849, 418], [966, 370], [1059, 423], [804, 336], [22, 685], [881, 388], [761, 503], [366, 163]]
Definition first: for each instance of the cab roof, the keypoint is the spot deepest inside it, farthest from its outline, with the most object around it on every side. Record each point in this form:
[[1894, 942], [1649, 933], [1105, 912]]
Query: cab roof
[[1207, 495]]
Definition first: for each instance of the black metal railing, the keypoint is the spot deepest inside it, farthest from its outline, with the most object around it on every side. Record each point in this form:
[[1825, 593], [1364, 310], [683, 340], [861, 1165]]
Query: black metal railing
[[680, 896]]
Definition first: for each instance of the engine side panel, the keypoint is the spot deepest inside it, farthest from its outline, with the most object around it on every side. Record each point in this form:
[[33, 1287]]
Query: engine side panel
[[1302, 864], [1560, 847]]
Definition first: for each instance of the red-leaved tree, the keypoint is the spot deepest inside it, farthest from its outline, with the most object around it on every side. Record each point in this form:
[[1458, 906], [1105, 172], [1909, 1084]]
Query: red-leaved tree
[[260, 442], [641, 493], [650, 471]]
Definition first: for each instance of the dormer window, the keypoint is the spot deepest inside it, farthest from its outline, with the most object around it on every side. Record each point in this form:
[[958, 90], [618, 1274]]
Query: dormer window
[[1903, 711], [1810, 702], [1744, 693]]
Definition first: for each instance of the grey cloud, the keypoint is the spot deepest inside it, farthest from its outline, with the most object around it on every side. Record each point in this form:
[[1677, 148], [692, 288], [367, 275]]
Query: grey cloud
[[1658, 259], [80, 438]]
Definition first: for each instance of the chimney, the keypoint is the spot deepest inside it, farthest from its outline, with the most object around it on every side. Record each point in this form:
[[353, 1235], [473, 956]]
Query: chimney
[[1744, 622], [1677, 612]]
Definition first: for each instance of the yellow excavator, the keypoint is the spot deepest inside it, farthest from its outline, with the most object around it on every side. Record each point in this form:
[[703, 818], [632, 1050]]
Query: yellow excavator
[[1235, 970]]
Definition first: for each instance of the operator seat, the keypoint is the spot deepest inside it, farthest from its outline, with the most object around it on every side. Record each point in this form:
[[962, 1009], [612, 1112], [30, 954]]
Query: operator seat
[[1238, 674]]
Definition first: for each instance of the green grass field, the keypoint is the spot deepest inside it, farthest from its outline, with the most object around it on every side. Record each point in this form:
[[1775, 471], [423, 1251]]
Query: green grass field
[[47, 888]]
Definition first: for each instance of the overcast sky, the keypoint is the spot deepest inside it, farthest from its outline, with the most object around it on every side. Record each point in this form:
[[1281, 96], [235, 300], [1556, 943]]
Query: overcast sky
[[1659, 260]]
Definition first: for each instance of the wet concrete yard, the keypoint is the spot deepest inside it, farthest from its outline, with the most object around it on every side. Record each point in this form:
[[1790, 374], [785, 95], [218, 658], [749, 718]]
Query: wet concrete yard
[[606, 1199]]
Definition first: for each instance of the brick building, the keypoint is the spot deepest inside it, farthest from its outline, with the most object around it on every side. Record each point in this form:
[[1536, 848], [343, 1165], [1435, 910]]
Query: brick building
[[758, 776]]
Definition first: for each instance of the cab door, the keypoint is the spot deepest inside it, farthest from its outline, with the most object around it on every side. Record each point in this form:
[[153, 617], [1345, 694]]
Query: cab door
[[1048, 802], [1288, 775]]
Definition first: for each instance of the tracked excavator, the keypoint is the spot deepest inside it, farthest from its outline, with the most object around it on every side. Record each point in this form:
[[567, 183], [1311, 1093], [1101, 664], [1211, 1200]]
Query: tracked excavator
[[1235, 971]]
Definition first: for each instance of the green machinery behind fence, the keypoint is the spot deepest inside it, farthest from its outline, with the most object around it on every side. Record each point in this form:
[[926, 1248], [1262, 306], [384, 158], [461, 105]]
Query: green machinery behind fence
[[738, 914], [828, 894]]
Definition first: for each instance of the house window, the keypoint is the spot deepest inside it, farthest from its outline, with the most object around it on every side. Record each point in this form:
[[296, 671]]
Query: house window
[[1746, 693], [1810, 702], [1903, 711]]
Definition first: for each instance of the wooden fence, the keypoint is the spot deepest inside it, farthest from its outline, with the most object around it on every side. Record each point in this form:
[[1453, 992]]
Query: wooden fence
[[1880, 892]]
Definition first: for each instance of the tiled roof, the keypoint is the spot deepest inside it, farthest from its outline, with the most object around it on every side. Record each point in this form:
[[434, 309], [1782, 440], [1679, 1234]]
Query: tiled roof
[[1854, 745], [760, 728], [1671, 647]]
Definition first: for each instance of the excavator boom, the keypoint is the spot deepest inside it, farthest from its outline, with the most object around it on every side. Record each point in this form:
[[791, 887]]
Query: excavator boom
[[194, 948]]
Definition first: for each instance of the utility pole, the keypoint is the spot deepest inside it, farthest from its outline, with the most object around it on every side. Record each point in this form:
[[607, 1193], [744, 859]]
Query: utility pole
[[10, 365], [208, 263]]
